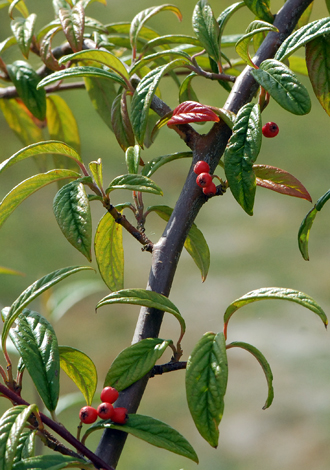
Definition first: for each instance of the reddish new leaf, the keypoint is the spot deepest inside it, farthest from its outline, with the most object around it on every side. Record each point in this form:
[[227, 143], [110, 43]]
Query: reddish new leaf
[[280, 181], [191, 111]]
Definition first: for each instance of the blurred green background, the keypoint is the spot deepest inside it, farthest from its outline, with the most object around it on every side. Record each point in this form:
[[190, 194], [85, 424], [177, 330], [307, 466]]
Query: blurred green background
[[246, 253]]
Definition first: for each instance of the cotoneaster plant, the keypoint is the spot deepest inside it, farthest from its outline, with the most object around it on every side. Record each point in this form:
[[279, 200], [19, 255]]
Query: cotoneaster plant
[[122, 67]]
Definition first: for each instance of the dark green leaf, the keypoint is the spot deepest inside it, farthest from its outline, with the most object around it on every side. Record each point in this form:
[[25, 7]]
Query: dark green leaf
[[304, 231], [51, 462], [73, 23], [73, 215], [206, 29], [35, 340], [25, 446], [283, 85], [134, 183], [261, 9], [121, 123], [150, 167], [102, 93], [254, 28], [215, 69], [318, 64], [241, 152], [226, 15], [23, 29], [109, 252], [135, 362], [25, 79], [81, 369], [186, 92], [206, 383]]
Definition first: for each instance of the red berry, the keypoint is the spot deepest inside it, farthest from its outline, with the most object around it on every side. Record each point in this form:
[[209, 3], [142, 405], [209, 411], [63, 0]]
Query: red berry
[[109, 394], [270, 129], [204, 179], [210, 190], [105, 410], [88, 415], [201, 167], [119, 415]]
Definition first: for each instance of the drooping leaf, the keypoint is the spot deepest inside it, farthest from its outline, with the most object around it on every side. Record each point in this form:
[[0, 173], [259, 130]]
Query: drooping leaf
[[23, 29], [206, 29], [134, 183], [25, 79], [283, 85], [24, 189], [206, 383], [261, 8], [81, 369], [35, 339], [121, 123], [102, 93], [280, 181], [191, 111], [304, 231], [318, 65], [302, 36], [109, 252], [73, 22], [73, 215], [241, 152], [150, 167], [51, 462], [264, 364], [254, 28], [20, 6], [135, 362]]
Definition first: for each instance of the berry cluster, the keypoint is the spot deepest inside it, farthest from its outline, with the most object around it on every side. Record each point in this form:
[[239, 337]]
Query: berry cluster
[[270, 129], [105, 410], [204, 179]]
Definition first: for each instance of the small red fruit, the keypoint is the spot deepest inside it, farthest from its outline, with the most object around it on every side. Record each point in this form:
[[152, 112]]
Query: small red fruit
[[210, 190], [109, 394], [201, 167], [119, 415], [270, 129], [105, 410], [88, 415], [204, 179]]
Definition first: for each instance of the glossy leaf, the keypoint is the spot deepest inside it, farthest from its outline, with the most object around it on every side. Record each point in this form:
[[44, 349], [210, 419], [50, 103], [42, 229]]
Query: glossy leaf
[[283, 85], [265, 367], [318, 64], [33, 291], [190, 111], [24, 189], [109, 252], [121, 123], [150, 167], [23, 29], [302, 36], [241, 152], [135, 362], [206, 383], [225, 16], [261, 9], [143, 96], [132, 158], [73, 215], [154, 432], [25, 446], [134, 183], [280, 181], [35, 339], [269, 293], [25, 79], [51, 462], [102, 93], [304, 231], [73, 22], [254, 28], [145, 298], [206, 28], [12, 424], [81, 370]]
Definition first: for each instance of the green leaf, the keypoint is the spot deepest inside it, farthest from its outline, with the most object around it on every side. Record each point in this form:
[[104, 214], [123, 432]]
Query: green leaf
[[132, 157], [227, 116], [46, 52], [35, 340], [143, 96], [20, 6], [23, 29], [206, 29], [13, 272], [81, 369], [186, 92], [206, 383], [25, 79], [73, 215], [261, 9], [241, 152], [102, 93], [150, 167], [121, 123], [134, 183], [82, 71], [25, 446], [51, 462], [154, 432], [303, 36], [269, 293], [304, 231], [254, 28], [298, 65], [225, 16], [29, 186], [47, 147], [73, 22], [171, 39], [265, 367], [109, 252], [172, 53], [135, 362], [33, 291], [12, 424], [283, 85], [195, 243], [318, 64], [6, 43], [145, 298], [97, 172]]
